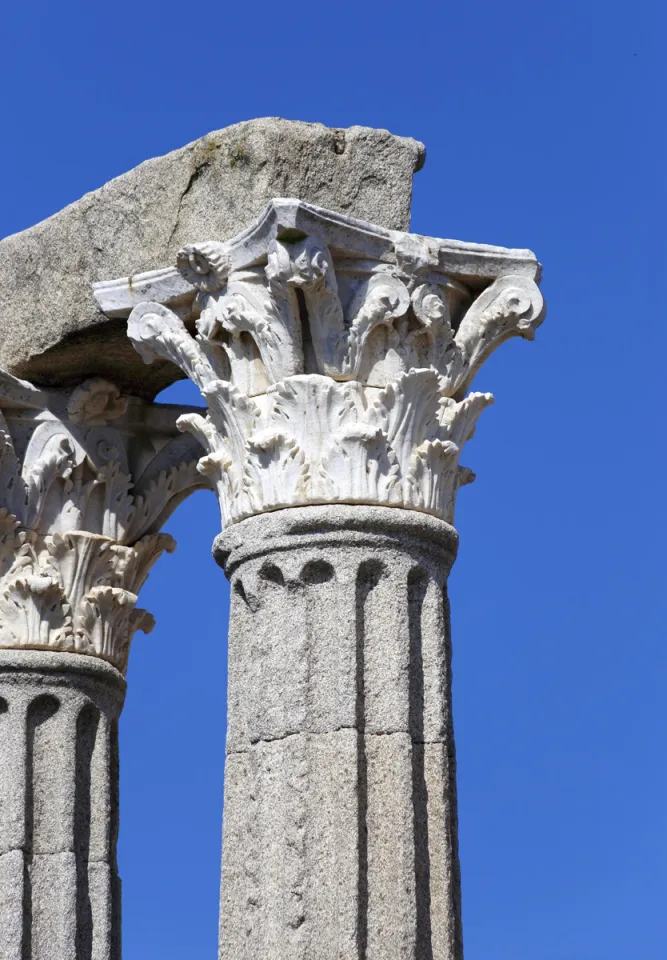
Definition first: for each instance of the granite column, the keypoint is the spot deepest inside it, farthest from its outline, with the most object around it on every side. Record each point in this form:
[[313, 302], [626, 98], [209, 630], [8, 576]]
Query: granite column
[[86, 479], [335, 358], [340, 834], [59, 886]]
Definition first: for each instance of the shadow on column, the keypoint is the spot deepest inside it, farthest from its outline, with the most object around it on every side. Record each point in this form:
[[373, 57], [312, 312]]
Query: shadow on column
[[368, 577], [86, 735], [38, 797], [417, 587]]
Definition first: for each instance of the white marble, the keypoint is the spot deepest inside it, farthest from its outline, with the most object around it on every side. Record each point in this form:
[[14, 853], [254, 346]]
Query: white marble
[[87, 478], [335, 357]]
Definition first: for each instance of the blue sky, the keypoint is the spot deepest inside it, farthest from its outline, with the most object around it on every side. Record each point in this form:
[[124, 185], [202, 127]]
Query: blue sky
[[544, 127]]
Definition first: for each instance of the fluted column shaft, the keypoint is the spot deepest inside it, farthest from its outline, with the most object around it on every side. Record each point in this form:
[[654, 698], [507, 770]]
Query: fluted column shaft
[[340, 833], [59, 886], [335, 359], [87, 477]]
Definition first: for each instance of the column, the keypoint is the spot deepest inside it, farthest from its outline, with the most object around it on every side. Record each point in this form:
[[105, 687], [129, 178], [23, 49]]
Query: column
[[335, 358], [340, 788], [59, 886], [86, 479]]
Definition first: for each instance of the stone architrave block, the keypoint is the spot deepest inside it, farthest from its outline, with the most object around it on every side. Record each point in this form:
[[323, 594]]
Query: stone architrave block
[[212, 187]]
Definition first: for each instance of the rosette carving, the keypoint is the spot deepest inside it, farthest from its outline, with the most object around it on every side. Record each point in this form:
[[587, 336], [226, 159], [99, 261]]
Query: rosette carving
[[205, 265], [335, 362], [96, 402]]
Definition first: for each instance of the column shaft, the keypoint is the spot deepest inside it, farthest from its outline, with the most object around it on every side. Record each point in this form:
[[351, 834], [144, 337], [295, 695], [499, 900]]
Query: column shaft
[[59, 886], [339, 837], [336, 358]]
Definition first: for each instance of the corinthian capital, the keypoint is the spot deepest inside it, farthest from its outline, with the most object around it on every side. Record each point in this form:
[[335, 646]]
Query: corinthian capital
[[334, 356], [87, 478]]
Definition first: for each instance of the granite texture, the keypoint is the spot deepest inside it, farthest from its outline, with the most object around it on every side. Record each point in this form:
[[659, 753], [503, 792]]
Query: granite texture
[[53, 332], [59, 886], [339, 835]]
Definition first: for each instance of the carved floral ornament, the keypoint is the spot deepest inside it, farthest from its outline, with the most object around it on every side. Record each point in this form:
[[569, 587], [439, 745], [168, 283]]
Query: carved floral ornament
[[86, 480], [334, 356]]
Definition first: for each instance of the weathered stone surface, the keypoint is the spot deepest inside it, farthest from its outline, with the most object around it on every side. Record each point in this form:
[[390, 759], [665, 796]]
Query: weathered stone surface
[[59, 889], [298, 619], [53, 331], [334, 356], [87, 477], [340, 790], [340, 847], [11, 905]]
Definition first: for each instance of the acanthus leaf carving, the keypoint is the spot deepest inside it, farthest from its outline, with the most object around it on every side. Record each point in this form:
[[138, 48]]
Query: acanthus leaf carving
[[274, 463], [32, 605], [32, 601], [431, 479], [306, 268], [379, 301], [156, 331], [407, 408], [52, 466], [312, 439], [154, 500], [334, 357], [76, 538], [258, 334], [11, 539], [73, 592], [360, 466], [106, 622]]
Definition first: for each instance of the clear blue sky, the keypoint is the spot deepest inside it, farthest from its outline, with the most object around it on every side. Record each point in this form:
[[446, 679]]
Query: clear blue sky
[[544, 124]]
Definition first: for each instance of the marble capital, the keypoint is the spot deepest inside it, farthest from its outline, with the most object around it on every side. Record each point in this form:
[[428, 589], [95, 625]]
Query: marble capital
[[335, 356], [87, 477]]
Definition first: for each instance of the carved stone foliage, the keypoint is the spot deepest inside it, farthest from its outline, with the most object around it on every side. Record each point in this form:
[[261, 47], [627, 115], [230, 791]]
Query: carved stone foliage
[[86, 480], [335, 361]]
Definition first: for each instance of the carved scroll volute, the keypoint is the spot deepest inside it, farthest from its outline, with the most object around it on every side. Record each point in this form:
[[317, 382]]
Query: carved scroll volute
[[90, 476], [512, 306], [334, 363], [304, 269], [374, 352], [312, 439], [258, 330]]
